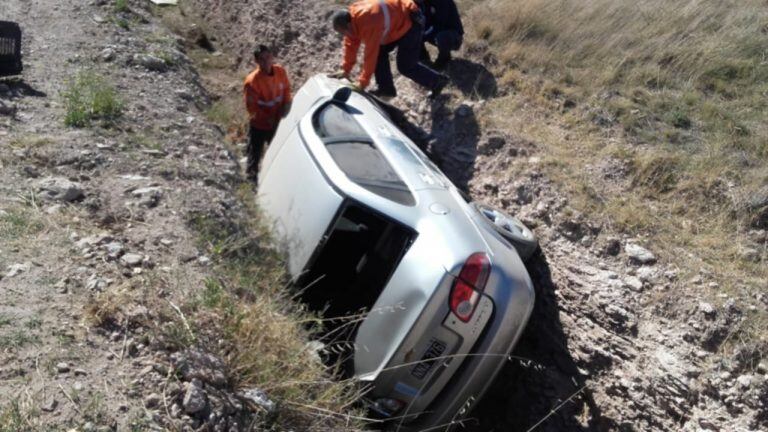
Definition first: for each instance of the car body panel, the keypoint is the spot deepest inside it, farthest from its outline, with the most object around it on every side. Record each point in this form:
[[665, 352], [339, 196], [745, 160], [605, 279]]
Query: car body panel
[[299, 216], [410, 346]]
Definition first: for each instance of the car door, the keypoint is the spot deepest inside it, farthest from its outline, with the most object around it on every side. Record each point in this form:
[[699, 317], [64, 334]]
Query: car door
[[297, 201]]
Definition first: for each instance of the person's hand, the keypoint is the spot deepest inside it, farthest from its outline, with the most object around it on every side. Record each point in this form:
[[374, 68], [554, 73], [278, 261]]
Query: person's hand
[[339, 75]]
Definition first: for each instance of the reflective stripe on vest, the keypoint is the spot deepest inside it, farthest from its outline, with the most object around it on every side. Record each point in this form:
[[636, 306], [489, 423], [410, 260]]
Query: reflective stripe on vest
[[271, 103], [387, 20]]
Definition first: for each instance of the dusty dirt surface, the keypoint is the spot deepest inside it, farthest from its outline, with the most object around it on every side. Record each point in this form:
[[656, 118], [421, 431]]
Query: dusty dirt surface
[[94, 240], [102, 213]]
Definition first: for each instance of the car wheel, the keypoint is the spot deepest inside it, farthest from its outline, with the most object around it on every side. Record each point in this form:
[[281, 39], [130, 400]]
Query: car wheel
[[510, 228]]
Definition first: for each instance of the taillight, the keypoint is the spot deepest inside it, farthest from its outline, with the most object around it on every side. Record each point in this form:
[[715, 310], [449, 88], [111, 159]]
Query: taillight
[[466, 290]]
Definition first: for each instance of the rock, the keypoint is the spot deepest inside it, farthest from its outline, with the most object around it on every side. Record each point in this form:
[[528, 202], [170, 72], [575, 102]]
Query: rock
[[114, 250], [31, 171], [198, 365], [633, 283], [194, 400], [49, 405], [707, 309], [638, 254], [153, 401], [745, 381], [17, 269], [96, 283], [647, 274], [612, 246], [131, 260], [708, 425], [148, 197], [7, 109], [463, 110], [150, 62], [78, 386], [258, 398], [107, 54], [491, 145], [60, 189], [62, 367], [80, 372]]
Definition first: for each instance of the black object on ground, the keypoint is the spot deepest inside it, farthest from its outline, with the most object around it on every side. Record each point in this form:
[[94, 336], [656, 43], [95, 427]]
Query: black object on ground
[[10, 49]]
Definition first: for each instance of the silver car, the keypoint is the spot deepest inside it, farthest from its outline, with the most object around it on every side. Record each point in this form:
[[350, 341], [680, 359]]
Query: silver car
[[368, 223]]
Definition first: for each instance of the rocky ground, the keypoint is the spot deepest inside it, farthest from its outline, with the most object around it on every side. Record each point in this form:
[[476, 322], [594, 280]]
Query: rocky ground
[[96, 249], [95, 246]]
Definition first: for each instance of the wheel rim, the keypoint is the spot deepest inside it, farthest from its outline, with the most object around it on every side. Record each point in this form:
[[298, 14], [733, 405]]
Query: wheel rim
[[504, 222]]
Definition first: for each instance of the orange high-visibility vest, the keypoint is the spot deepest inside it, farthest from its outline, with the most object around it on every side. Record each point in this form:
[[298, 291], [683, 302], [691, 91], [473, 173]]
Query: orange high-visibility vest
[[265, 96], [374, 23]]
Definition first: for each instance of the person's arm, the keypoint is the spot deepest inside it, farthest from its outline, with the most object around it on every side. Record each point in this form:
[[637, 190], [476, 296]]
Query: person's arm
[[372, 39], [251, 101], [287, 96], [351, 46]]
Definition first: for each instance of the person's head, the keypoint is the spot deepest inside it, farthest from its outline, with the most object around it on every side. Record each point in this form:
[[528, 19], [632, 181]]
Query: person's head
[[264, 57], [341, 20]]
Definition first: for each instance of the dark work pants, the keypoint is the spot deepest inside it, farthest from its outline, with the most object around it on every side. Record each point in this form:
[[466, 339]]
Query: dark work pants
[[408, 50], [257, 139], [445, 41]]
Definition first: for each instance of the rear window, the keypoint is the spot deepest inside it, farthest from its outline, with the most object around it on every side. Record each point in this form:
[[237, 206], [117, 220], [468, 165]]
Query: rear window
[[357, 155]]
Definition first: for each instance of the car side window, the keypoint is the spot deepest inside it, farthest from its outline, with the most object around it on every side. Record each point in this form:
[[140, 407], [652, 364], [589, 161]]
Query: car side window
[[356, 154]]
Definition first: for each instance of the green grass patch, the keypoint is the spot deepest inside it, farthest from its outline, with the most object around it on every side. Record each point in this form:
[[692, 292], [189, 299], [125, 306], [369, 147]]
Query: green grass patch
[[17, 339], [18, 223], [122, 6], [14, 418], [88, 97]]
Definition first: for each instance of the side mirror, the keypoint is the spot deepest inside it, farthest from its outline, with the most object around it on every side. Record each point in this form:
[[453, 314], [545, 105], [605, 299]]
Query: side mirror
[[342, 94]]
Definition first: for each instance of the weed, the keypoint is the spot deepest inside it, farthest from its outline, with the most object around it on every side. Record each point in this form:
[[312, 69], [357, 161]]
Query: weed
[[17, 339], [33, 323], [5, 320], [14, 418], [90, 97], [122, 23], [121, 6], [18, 223]]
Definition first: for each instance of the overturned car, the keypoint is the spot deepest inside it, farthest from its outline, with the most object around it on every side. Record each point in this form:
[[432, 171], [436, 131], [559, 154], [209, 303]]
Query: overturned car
[[368, 222]]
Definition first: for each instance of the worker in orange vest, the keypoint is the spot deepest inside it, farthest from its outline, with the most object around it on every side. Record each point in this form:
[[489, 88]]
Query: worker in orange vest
[[267, 93], [382, 26]]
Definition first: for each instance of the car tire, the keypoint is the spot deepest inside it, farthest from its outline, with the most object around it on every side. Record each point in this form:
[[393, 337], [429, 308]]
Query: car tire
[[510, 228]]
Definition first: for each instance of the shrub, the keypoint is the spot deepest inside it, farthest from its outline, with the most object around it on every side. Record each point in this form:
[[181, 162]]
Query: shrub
[[90, 97]]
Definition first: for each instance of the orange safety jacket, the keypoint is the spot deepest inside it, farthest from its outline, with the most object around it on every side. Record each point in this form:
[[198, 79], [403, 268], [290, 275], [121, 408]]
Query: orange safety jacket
[[266, 96], [374, 23]]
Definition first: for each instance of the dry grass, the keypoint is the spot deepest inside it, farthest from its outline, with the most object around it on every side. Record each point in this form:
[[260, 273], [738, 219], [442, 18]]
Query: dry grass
[[249, 306], [682, 86]]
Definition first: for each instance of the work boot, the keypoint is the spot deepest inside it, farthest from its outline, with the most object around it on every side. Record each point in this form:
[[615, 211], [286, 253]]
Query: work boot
[[386, 96], [443, 58], [438, 87]]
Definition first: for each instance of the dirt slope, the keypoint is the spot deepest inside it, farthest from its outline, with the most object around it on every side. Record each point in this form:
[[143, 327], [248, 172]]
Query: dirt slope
[[608, 347], [93, 222]]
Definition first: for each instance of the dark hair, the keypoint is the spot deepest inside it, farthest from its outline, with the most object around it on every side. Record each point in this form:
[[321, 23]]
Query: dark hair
[[261, 49], [341, 19]]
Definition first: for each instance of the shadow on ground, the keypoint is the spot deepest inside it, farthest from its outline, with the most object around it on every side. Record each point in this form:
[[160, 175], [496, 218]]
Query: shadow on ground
[[18, 88], [541, 388], [472, 79]]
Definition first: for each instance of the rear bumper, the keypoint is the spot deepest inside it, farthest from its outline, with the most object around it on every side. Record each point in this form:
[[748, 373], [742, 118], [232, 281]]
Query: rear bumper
[[470, 375]]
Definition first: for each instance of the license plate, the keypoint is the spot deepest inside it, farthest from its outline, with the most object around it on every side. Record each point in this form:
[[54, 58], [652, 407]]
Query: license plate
[[435, 350]]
